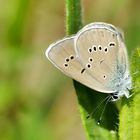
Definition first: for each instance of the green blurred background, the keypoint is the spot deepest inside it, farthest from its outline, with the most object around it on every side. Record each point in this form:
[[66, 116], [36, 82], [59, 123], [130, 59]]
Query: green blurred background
[[37, 102]]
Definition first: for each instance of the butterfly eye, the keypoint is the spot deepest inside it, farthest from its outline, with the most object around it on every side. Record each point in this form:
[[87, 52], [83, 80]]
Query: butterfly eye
[[115, 97]]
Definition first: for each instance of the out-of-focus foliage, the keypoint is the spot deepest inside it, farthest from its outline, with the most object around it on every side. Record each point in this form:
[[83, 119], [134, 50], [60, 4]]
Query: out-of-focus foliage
[[37, 102]]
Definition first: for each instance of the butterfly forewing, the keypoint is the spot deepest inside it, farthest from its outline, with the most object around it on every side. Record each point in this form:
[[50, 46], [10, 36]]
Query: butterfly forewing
[[63, 56], [107, 26], [97, 48]]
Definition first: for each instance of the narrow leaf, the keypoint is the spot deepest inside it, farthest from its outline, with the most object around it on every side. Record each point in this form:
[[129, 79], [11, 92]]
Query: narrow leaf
[[129, 128]]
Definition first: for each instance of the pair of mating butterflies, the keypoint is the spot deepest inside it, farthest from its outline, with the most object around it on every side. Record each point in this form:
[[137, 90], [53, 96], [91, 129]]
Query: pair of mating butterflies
[[96, 57]]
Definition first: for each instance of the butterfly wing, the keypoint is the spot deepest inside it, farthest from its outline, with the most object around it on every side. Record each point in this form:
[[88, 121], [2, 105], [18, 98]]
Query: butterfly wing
[[63, 56], [122, 57], [99, 47], [106, 25], [123, 65]]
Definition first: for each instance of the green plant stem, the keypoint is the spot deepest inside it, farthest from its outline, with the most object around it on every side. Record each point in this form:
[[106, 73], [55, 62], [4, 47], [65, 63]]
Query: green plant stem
[[73, 16]]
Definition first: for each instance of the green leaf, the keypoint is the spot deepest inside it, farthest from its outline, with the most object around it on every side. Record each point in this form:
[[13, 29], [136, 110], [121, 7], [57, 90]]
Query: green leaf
[[88, 101], [129, 128]]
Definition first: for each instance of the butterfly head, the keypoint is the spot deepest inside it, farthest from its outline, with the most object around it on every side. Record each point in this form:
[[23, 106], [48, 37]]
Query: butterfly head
[[124, 88]]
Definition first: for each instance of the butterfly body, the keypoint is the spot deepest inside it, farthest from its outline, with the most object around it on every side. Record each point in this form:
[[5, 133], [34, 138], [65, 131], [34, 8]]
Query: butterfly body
[[96, 57]]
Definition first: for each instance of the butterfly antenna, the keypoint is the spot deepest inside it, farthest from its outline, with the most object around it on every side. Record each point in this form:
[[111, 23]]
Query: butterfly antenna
[[107, 101], [90, 115]]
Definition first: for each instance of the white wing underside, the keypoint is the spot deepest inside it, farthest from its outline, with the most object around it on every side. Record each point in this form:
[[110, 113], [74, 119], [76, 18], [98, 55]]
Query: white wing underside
[[58, 52], [102, 43], [71, 55]]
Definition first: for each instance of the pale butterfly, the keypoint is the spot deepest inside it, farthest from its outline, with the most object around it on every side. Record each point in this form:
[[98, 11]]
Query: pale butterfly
[[96, 57]]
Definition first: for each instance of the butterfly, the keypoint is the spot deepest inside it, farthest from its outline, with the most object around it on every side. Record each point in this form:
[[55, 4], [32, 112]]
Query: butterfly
[[96, 57]]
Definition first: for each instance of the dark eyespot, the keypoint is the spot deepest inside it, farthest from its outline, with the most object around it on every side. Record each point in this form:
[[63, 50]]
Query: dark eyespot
[[88, 65], [71, 57], [82, 71], [94, 48], [67, 60], [111, 44], [90, 59], [89, 50], [100, 47], [104, 76], [105, 49], [66, 65]]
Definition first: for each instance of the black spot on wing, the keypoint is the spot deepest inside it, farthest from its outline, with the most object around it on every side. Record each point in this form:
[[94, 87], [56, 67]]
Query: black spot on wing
[[111, 44], [82, 71]]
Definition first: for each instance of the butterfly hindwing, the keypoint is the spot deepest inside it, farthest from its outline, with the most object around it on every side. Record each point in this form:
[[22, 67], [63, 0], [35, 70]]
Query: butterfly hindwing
[[62, 54]]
